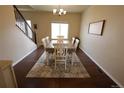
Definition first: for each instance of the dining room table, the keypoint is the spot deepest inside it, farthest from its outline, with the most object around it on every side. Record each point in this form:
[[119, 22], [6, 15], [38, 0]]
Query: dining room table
[[66, 44], [53, 43]]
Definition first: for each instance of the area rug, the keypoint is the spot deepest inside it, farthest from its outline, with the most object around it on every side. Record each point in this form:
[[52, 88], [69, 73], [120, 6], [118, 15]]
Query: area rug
[[41, 70]]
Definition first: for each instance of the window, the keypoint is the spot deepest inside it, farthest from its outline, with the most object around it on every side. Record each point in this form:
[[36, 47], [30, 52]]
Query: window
[[59, 29], [28, 29], [29, 22]]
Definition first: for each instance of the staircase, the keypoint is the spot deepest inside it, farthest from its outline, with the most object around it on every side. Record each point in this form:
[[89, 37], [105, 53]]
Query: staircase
[[23, 25]]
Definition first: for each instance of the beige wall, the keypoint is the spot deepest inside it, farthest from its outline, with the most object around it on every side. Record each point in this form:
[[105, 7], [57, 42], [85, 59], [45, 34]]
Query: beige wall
[[44, 19], [107, 50], [14, 45]]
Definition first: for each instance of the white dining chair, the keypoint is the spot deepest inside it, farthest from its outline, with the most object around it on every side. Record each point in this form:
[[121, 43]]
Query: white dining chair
[[45, 45], [47, 40], [73, 40], [72, 57], [60, 55], [76, 44], [44, 42], [60, 39]]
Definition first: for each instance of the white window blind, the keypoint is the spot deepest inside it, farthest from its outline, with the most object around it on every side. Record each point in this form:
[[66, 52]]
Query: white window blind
[[59, 29]]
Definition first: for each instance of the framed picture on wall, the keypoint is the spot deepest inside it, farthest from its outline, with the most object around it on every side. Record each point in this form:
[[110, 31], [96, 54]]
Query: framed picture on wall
[[96, 28]]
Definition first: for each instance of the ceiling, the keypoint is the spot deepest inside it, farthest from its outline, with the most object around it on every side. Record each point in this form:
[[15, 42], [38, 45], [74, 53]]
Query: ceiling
[[68, 8]]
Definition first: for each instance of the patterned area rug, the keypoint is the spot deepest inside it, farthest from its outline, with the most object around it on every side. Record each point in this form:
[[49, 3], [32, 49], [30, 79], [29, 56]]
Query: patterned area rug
[[41, 70]]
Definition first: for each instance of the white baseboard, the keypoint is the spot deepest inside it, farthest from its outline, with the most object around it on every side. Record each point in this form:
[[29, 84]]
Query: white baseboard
[[115, 80], [23, 57]]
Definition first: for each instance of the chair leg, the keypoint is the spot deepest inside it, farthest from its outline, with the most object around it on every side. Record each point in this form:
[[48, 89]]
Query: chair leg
[[65, 65], [71, 59], [55, 65], [47, 58]]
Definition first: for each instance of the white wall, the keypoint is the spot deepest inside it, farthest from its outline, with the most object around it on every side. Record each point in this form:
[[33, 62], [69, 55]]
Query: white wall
[[106, 50], [14, 45]]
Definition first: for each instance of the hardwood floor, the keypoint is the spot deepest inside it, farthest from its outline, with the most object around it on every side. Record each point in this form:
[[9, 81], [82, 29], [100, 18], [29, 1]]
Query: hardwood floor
[[98, 78]]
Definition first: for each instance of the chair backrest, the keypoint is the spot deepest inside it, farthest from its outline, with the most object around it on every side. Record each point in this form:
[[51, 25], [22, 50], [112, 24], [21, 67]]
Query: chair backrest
[[60, 39], [47, 40], [60, 51], [73, 40], [76, 43], [44, 42]]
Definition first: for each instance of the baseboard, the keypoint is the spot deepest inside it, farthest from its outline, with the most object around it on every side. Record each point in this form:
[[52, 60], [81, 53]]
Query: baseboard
[[116, 81], [23, 57]]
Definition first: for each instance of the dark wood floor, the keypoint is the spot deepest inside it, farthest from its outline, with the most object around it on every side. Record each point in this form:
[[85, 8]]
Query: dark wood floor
[[98, 78]]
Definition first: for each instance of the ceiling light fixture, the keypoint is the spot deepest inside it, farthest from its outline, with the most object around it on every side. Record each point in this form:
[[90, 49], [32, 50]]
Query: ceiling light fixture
[[59, 11]]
